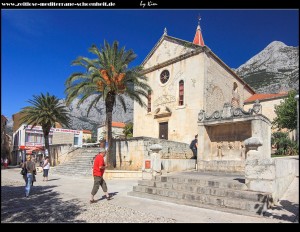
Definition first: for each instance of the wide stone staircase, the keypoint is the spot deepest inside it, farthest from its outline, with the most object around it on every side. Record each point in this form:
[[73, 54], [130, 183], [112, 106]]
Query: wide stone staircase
[[80, 164], [224, 192]]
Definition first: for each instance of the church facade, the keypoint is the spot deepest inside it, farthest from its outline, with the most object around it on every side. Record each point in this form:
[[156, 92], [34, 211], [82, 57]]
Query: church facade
[[185, 77]]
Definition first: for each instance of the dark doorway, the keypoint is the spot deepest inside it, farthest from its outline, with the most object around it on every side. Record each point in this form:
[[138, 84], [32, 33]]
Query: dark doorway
[[163, 130]]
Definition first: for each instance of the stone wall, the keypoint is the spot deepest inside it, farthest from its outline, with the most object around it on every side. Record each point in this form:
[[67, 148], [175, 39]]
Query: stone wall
[[271, 175], [221, 142], [225, 166], [62, 138], [130, 154], [59, 152], [227, 140], [175, 165], [286, 170], [122, 174], [219, 86]]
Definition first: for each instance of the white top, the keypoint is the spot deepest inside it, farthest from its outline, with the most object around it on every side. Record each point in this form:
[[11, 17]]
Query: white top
[[47, 164]]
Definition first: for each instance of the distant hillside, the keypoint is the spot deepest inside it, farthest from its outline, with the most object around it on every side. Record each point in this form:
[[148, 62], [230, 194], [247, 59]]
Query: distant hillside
[[9, 126], [275, 69], [97, 115]]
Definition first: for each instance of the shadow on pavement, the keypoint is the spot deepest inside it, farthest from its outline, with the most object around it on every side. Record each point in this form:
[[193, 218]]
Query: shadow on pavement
[[110, 195], [291, 208], [43, 205], [53, 179]]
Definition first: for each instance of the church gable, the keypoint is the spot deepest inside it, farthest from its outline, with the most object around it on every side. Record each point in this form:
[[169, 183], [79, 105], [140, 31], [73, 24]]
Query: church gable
[[167, 48]]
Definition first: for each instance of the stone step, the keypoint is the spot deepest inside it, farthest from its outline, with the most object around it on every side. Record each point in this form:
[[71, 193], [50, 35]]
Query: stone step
[[77, 165], [214, 203], [74, 173], [200, 182], [224, 191], [70, 171], [80, 163], [233, 203], [194, 189]]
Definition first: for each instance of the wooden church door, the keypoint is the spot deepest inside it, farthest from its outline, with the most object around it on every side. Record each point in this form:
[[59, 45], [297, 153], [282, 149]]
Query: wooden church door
[[163, 130]]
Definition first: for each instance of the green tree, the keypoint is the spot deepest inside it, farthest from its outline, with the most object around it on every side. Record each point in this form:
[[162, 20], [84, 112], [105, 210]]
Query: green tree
[[286, 113], [128, 130], [46, 110], [107, 78], [278, 138], [284, 145]]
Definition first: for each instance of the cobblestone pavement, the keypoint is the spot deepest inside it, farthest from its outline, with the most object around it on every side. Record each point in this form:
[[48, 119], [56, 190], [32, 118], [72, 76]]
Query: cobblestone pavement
[[46, 205], [65, 199]]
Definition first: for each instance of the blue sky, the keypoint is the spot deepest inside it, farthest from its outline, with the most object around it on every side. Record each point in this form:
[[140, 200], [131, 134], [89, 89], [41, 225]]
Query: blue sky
[[38, 46]]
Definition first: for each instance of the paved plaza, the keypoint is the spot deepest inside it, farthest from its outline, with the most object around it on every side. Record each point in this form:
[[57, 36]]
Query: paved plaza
[[66, 199]]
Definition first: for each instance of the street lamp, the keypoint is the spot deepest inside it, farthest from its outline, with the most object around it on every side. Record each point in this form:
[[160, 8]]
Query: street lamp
[[297, 132]]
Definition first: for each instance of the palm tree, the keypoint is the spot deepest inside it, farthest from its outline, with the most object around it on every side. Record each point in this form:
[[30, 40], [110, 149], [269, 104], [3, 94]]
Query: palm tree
[[107, 78], [46, 110], [128, 130]]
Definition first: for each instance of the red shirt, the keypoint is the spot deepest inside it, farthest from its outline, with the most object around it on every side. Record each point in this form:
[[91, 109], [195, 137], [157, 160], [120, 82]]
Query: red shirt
[[98, 162]]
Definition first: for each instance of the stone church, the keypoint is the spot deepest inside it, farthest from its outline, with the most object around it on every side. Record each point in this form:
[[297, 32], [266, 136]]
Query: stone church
[[185, 77]]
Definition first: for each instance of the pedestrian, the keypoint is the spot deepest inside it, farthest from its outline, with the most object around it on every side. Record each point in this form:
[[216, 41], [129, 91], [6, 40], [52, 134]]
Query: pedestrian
[[46, 167], [194, 146], [5, 162], [30, 168], [98, 171]]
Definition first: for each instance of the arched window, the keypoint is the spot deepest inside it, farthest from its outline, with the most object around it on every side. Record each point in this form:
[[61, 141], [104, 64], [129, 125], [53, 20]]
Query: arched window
[[149, 101], [181, 92]]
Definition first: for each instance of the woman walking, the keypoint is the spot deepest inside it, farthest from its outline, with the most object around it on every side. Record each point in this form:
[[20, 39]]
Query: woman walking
[[46, 167], [30, 168]]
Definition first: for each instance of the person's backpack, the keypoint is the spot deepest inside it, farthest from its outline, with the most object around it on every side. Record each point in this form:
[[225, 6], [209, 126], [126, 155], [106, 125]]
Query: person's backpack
[[192, 145]]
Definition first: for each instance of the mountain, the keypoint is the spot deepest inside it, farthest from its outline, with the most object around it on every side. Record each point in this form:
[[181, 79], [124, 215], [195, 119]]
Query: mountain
[[275, 69], [9, 126], [97, 115]]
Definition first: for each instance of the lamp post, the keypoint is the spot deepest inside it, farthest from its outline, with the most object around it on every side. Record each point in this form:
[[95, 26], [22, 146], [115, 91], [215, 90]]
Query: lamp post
[[297, 132]]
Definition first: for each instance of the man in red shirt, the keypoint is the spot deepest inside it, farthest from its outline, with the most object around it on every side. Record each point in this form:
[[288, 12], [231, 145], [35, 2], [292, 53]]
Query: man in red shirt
[[98, 171]]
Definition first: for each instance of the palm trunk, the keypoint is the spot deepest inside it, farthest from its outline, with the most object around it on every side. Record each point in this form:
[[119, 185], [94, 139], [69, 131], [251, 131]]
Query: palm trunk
[[109, 104], [46, 138]]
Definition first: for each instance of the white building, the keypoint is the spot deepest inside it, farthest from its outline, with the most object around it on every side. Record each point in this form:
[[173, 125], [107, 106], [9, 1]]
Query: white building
[[185, 77], [117, 131], [27, 140]]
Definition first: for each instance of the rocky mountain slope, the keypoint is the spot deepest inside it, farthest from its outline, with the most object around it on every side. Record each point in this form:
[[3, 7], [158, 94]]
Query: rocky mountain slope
[[275, 69], [97, 115]]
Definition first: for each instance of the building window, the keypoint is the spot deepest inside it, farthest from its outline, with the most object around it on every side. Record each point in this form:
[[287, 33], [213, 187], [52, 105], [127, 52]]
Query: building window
[[29, 137], [76, 141], [149, 101], [164, 76], [181, 92], [39, 138]]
